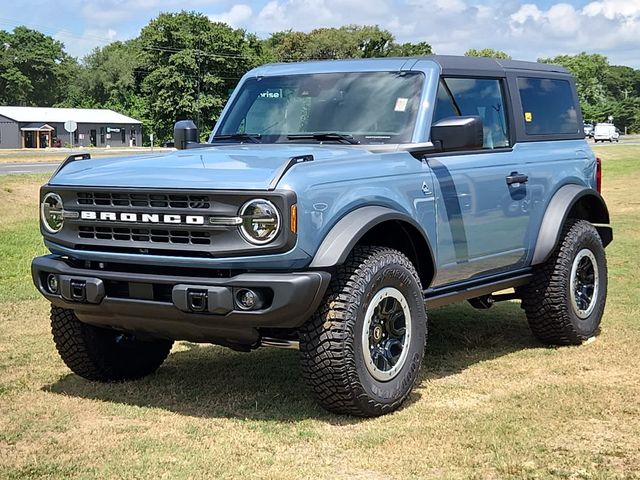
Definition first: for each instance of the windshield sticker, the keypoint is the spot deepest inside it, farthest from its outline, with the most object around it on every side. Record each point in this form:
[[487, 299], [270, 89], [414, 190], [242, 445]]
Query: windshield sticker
[[528, 117], [401, 104], [271, 93]]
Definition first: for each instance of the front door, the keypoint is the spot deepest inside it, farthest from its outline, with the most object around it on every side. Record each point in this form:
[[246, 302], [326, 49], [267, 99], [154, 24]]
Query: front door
[[29, 139], [93, 138], [481, 196]]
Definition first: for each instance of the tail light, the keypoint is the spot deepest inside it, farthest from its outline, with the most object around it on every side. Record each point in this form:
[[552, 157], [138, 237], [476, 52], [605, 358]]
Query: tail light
[[599, 174]]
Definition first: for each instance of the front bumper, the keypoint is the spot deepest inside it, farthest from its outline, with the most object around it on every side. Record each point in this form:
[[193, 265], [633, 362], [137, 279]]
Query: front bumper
[[161, 305]]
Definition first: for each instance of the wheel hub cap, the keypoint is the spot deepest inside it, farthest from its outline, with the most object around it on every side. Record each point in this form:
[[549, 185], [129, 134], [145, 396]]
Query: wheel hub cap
[[584, 283], [386, 334]]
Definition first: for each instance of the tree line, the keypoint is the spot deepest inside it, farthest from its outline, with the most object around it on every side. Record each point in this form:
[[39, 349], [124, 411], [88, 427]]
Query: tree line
[[183, 65]]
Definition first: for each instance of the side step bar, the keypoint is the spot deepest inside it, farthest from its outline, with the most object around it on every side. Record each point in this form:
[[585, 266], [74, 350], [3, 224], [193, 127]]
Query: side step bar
[[444, 295], [279, 343]]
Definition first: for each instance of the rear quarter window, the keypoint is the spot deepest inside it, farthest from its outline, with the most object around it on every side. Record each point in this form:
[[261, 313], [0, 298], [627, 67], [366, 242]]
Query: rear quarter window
[[548, 106]]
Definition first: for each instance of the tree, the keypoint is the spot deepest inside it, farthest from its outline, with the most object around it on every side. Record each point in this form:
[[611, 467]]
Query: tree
[[350, 41], [34, 68], [621, 82], [409, 49], [188, 65], [106, 79], [589, 70], [604, 90], [487, 52]]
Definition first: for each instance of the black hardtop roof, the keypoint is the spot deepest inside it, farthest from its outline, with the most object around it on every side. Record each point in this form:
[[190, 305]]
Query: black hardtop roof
[[457, 64]]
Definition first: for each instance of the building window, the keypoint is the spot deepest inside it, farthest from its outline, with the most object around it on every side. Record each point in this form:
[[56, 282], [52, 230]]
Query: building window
[[102, 132], [123, 135]]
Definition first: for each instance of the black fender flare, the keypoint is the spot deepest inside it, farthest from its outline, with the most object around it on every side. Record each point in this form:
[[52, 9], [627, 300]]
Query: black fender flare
[[557, 212], [346, 233]]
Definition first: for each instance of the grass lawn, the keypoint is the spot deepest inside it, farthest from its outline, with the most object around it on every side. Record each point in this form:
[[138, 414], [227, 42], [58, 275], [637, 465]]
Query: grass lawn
[[491, 401], [32, 155]]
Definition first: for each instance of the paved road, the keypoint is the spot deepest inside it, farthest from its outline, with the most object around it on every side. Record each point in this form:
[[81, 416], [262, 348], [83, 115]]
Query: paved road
[[14, 168]]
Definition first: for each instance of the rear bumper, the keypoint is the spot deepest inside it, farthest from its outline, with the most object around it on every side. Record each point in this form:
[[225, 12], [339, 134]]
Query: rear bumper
[[160, 305]]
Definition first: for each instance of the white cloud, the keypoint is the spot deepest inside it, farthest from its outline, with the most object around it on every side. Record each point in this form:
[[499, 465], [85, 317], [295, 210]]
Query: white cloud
[[613, 9], [236, 16], [560, 20], [526, 29], [526, 12], [523, 29], [611, 27]]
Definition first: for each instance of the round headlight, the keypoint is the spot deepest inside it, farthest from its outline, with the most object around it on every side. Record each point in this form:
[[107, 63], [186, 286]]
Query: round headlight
[[52, 212], [260, 221]]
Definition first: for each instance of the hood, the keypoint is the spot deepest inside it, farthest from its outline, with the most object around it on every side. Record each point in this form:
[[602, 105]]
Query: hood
[[229, 167]]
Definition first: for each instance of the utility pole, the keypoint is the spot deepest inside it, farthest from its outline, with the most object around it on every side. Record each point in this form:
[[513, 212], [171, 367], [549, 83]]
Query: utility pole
[[626, 96]]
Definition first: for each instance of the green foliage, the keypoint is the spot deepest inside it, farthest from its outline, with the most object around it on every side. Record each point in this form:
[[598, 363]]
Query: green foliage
[[188, 64], [350, 41], [487, 52], [604, 90], [34, 68], [589, 72], [409, 49]]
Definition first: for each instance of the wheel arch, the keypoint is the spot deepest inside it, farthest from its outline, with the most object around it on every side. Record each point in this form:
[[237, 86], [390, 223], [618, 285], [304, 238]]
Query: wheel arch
[[382, 226], [571, 201]]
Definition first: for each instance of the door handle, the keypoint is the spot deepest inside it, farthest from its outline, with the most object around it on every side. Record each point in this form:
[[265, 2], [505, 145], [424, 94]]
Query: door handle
[[515, 177]]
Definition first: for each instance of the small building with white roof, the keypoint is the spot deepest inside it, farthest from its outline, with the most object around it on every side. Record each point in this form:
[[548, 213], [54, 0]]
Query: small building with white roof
[[41, 127]]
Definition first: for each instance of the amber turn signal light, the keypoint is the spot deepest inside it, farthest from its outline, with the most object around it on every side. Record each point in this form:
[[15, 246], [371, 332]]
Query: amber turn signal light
[[294, 218]]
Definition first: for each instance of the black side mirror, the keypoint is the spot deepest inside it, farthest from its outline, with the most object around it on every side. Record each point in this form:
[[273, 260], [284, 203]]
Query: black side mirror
[[458, 133], [184, 133]]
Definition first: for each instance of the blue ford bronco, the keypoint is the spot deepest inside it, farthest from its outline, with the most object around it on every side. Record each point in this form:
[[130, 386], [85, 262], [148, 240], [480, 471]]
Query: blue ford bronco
[[331, 203]]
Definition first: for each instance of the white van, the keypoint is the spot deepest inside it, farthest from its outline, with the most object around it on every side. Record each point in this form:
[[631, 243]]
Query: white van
[[606, 132]]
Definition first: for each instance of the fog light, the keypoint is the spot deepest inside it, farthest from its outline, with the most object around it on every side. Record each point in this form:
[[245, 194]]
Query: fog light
[[247, 299], [52, 283]]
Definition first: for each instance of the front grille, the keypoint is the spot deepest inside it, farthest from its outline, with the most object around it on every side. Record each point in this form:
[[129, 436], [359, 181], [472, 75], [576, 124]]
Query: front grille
[[169, 222], [145, 200], [155, 235]]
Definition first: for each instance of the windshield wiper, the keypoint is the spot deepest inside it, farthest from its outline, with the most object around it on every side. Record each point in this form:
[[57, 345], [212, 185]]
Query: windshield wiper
[[252, 137], [324, 136]]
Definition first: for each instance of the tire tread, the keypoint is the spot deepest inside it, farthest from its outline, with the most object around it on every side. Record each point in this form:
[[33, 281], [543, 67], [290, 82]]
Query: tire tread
[[327, 339]]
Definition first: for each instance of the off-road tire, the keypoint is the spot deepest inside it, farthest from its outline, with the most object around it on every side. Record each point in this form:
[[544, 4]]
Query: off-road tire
[[547, 299], [103, 354], [333, 362]]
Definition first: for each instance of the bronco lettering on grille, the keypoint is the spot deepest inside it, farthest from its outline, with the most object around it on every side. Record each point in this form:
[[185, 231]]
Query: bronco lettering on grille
[[143, 218]]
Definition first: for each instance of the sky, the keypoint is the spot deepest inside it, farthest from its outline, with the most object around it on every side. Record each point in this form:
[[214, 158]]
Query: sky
[[527, 30]]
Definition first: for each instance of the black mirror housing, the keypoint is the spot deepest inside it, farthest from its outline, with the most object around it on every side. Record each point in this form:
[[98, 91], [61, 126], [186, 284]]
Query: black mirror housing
[[458, 133], [184, 133]]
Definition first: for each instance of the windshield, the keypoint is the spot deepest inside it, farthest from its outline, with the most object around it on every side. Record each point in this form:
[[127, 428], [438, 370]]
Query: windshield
[[367, 108]]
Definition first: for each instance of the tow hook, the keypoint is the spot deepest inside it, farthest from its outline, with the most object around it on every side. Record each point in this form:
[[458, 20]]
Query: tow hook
[[202, 299]]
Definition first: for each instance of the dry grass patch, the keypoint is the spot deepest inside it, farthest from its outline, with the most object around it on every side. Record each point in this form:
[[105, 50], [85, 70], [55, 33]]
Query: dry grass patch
[[55, 155], [19, 198]]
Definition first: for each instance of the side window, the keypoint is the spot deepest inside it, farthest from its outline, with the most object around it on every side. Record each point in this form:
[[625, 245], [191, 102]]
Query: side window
[[548, 106], [444, 104], [476, 96]]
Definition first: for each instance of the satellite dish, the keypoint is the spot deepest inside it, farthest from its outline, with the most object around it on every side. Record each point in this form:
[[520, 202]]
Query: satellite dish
[[70, 126]]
